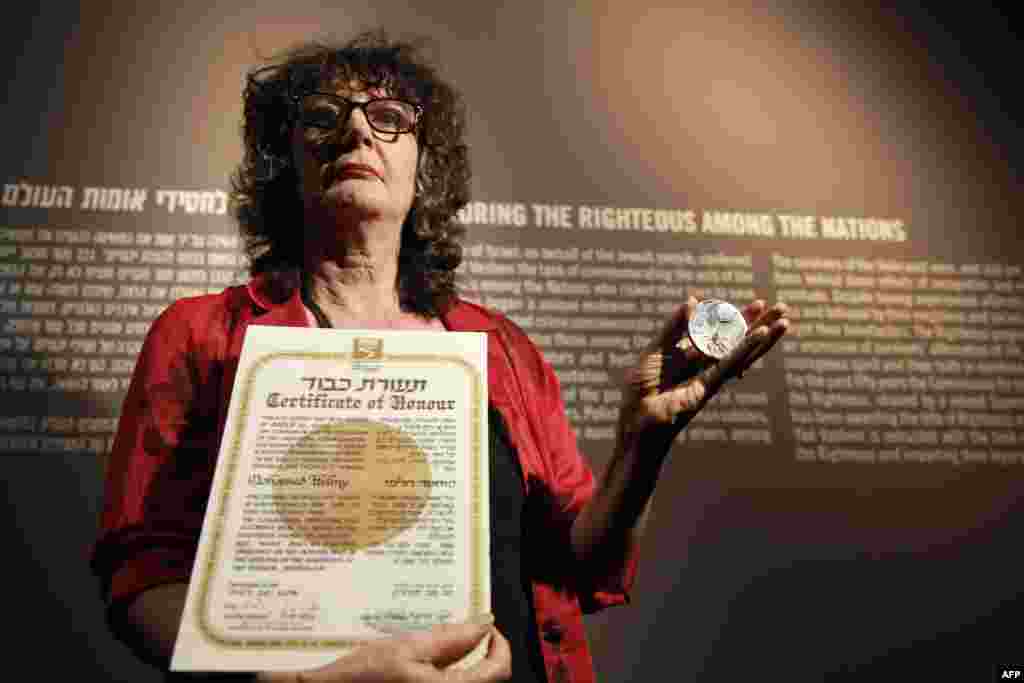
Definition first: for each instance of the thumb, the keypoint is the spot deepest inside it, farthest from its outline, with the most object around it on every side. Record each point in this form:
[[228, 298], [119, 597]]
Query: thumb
[[739, 358], [675, 327], [445, 644]]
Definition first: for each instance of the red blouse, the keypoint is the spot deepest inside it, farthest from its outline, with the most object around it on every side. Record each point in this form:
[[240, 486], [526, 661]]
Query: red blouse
[[161, 467]]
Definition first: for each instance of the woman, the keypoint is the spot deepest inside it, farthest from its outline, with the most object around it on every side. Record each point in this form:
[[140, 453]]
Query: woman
[[354, 169]]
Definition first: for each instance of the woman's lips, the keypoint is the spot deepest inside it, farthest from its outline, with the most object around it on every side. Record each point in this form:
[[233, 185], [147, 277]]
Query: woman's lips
[[359, 170]]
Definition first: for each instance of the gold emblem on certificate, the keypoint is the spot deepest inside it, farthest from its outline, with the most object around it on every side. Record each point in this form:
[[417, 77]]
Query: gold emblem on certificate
[[716, 327]]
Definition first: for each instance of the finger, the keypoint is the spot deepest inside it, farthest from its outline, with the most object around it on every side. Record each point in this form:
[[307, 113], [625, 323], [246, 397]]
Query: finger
[[679, 364], [768, 316], [758, 315], [737, 360], [679, 405], [776, 322], [777, 330], [753, 311], [703, 382], [447, 643], [495, 666], [674, 327]]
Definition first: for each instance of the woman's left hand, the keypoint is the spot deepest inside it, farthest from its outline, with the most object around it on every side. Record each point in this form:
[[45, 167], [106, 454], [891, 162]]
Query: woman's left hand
[[672, 382], [664, 391]]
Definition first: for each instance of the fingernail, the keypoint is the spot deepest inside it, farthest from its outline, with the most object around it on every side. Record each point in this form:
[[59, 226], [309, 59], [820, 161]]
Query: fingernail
[[481, 620]]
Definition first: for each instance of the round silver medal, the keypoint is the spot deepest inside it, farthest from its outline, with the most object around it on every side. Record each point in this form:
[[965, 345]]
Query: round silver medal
[[716, 327]]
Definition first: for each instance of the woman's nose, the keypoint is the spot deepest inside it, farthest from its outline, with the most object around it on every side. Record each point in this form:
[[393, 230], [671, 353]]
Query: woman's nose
[[357, 127]]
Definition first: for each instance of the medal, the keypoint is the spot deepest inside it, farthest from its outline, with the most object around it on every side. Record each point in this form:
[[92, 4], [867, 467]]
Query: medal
[[716, 327]]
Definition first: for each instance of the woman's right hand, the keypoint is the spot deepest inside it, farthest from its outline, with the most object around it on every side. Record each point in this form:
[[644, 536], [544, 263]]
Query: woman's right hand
[[419, 657]]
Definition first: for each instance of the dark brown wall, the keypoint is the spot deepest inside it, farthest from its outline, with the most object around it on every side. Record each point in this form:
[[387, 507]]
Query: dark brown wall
[[756, 563]]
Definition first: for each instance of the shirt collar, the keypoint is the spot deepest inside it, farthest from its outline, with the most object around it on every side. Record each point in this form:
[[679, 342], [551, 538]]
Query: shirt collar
[[463, 316], [283, 308]]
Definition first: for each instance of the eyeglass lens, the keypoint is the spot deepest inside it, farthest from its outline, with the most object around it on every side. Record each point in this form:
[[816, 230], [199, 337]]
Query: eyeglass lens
[[384, 115]]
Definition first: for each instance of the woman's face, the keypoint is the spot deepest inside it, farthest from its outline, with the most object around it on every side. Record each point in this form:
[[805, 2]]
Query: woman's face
[[352, 170]]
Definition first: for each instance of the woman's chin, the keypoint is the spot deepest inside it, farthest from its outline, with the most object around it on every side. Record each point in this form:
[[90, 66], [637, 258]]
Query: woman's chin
[[346, 195], [339, 205], [360, 199]]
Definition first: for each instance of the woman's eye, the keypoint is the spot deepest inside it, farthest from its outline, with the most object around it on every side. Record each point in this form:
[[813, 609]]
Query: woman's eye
[[390, 116]]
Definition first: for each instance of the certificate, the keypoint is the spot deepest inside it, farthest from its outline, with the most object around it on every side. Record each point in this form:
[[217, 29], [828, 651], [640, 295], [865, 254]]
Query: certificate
[[350, 499]]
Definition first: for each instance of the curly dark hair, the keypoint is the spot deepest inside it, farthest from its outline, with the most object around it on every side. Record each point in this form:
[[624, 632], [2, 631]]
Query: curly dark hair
[[265, 195]]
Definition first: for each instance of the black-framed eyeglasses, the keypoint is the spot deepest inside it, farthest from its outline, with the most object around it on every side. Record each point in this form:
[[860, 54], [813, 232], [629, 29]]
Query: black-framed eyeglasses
[[386, 115]]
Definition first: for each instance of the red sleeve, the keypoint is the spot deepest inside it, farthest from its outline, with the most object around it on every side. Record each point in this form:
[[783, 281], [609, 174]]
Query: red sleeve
[[159, 471], [575, 485], [571, 480]]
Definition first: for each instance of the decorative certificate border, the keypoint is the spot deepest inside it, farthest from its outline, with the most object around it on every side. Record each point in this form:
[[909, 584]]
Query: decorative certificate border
[[478, 536]]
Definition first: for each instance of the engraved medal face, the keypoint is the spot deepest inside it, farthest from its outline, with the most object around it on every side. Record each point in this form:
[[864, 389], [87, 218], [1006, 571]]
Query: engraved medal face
[[717, 327]]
